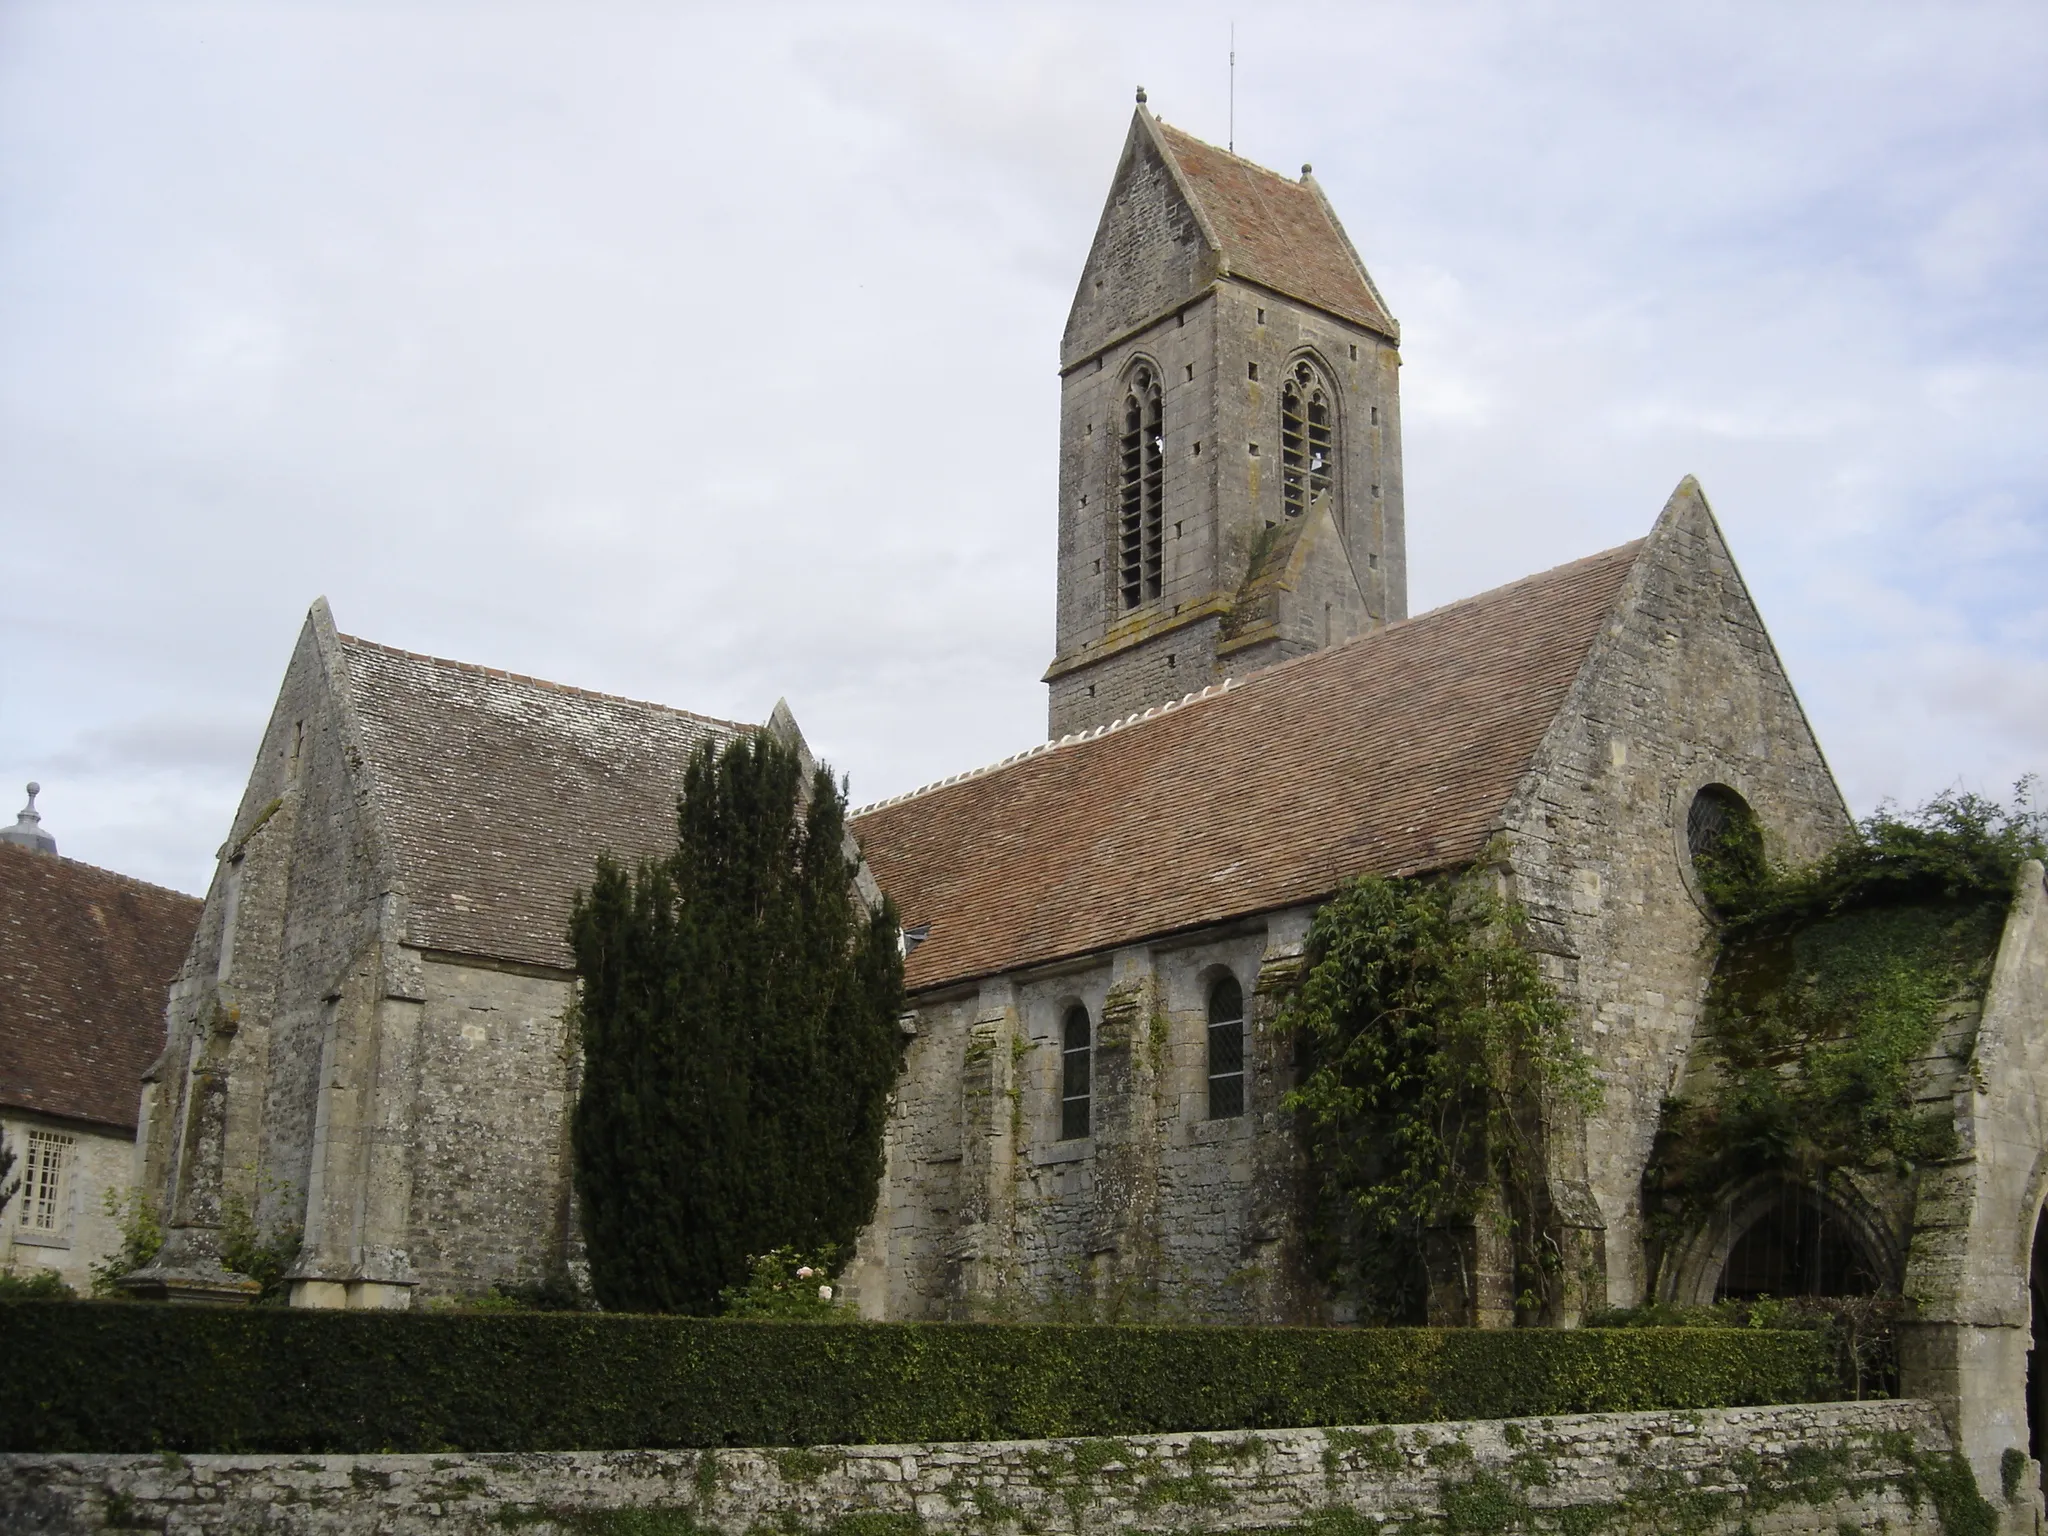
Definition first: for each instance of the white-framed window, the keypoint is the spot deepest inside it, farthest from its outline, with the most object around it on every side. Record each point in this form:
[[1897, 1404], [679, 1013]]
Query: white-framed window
[[41, 1197]]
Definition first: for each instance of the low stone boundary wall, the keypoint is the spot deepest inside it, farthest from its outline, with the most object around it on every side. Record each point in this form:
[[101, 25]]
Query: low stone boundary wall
[[1783, 1471]]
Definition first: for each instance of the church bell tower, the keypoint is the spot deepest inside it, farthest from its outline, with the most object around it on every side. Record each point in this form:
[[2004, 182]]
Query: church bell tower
[[1230, 434]]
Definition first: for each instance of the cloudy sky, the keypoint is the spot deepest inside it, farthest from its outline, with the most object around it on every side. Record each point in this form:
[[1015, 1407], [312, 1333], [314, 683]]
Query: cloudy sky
[[707, 355]]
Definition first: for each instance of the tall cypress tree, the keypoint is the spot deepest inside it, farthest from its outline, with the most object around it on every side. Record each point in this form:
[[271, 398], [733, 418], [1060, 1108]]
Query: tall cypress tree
[[739, 1005]]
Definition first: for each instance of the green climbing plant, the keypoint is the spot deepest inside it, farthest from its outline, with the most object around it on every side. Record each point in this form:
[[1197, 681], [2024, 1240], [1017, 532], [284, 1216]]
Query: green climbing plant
[[1834, 980], [1433, 1052], [142, 1236]]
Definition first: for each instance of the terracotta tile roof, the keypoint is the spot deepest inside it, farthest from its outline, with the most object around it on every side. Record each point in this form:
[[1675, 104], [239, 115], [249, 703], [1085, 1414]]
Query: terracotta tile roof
[[500, 791], [86, 958], [1277, 232], [1391, 754]]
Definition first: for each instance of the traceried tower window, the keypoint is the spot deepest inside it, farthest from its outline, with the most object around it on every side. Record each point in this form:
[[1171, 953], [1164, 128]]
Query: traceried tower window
[[42, 1181], [1226, 1049], [1141, 490], [1308, 438], [1076, 1057]]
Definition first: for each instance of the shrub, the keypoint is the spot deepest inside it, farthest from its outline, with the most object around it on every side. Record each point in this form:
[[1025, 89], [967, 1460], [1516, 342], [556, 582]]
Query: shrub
[[35, 1284], [738, 1021], [141, 1376], [142, 1236], [785, 1283], [1860, 1331]]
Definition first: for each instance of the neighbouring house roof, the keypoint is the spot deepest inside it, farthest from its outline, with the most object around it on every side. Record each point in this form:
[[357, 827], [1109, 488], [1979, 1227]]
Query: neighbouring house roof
[[1276, 232], [1391, 754], [499, 791], [86, 959]]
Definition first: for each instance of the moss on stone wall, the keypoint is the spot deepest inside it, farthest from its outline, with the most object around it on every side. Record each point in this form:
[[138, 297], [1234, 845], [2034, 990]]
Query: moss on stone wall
[[1834, 985]]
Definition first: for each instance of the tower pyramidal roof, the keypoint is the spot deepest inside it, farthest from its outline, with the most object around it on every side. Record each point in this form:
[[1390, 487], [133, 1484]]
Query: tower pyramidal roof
[[1268, 230]]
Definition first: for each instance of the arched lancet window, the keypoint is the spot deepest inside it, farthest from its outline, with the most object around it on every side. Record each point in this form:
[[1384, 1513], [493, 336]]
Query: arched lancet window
[[1798, 1247], [1725, 844], [1076, 1055], [1226, 1049], [1141, 487], [1308, 438]]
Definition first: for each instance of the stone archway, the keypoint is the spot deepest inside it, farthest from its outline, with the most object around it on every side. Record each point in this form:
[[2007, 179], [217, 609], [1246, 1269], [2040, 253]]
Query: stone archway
[[2037, 1349], [1799, 1245], [1783, 1238]]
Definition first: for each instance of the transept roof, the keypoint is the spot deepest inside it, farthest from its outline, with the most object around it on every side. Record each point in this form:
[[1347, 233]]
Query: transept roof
[[499, 790]]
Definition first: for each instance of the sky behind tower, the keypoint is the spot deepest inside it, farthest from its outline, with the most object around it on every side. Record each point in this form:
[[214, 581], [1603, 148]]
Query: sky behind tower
[[707, 355]]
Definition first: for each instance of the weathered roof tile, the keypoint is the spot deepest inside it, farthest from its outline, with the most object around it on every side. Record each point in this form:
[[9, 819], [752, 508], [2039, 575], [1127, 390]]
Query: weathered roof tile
[[1276, 232], [1394, 753], [86, 959], [500, 791]]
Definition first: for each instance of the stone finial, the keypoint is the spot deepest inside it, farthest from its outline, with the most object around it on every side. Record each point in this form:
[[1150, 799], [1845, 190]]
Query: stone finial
[[1141, 95], [27, 831], [1307, 169]]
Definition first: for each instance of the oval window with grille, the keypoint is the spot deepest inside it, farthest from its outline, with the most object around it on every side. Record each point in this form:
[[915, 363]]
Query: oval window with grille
[[1725, 844]]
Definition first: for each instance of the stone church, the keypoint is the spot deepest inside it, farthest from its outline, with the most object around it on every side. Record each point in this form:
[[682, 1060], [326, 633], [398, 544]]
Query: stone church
[[368, 1036]]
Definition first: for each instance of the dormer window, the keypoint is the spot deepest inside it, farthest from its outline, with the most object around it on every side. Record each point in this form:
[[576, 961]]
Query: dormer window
[[1308, 445]]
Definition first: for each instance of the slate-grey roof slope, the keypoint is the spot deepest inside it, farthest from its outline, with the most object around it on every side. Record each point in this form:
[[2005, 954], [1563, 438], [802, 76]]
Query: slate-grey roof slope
[[1390, 754], [86, 958], [498, 792]]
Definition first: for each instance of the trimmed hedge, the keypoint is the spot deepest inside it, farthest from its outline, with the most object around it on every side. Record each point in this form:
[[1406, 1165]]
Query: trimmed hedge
[[126, 1376]]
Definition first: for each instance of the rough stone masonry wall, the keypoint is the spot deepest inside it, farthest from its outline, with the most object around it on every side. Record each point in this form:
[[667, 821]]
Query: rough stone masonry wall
[[1161, 1212], [1685, 690], [491, 1166], [1812, 1470], [1970, 1342], [289, 949]]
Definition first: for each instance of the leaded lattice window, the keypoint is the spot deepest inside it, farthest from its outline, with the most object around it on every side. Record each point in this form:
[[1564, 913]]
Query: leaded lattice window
[[1308, 438], [1077, 1049], [1708, 819], [1141, 490], [1226, 1049], [42, 1181]]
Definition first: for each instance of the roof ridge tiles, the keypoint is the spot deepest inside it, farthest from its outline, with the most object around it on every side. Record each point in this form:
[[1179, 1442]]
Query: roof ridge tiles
[[112, 874], [541, 682], [1071, 739], [1391, 753], [1261, 678]]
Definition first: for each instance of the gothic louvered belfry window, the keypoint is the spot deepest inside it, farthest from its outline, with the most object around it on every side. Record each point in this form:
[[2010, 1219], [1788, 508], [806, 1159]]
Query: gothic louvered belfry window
[[1076, 1053], [1226, 1049], [1308, 438], [1141, 488]]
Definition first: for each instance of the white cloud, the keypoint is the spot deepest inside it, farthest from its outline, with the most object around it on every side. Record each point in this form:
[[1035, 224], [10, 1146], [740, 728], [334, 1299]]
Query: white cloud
[[707, 355]]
